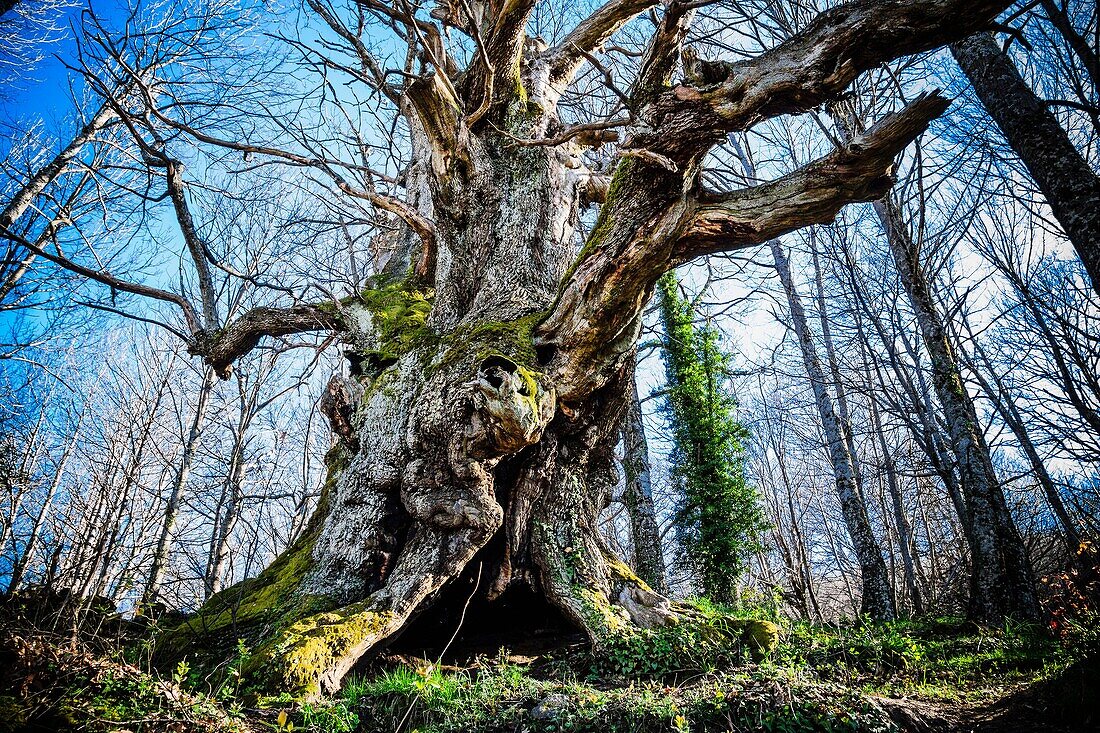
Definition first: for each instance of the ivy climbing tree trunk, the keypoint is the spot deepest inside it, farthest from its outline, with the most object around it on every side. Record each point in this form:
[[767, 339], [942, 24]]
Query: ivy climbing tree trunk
[[720, 517], [490, 360]]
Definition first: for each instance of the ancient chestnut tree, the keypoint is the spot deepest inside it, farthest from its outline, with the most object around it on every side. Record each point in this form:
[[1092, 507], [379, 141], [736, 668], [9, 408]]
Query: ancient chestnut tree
[[488, 358]]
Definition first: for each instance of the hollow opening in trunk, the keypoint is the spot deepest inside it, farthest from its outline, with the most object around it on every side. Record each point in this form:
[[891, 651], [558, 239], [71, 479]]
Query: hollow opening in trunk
[[519, 620]]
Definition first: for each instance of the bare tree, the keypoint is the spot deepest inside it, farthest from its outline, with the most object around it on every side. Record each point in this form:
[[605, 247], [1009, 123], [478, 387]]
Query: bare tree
[[490, 358], [645, 534], [1068, 182], [180, 480]]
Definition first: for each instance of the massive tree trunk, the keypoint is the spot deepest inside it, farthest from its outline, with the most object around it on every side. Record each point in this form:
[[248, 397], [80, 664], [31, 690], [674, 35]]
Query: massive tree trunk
[[490, 360], [1070, 186]]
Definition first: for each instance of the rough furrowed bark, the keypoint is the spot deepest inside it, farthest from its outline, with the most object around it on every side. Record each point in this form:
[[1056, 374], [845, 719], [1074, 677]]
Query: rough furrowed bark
[[579, 573], [410, 499], [645, 533], [1069, 184]]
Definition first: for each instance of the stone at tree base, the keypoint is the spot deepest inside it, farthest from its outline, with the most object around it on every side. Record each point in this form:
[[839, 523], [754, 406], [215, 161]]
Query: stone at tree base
[[759, 635]]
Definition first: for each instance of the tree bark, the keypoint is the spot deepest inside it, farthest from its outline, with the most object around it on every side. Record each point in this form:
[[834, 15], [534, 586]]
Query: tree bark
[[649, 561], [1070, 186], [844, 413]]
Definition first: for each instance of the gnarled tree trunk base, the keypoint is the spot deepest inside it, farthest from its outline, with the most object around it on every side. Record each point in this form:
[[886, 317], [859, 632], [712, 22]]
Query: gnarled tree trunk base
[[303, 636]]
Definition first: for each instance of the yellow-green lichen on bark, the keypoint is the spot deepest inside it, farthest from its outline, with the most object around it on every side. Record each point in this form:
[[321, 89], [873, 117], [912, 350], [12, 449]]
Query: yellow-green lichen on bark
[[478, 341], [399, 313], [604, 619], [398, 310], [301, 656], [622, 571]]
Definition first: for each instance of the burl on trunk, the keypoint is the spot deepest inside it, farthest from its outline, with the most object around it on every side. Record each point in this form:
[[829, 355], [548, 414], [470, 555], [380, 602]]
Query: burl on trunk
[[488, 359]]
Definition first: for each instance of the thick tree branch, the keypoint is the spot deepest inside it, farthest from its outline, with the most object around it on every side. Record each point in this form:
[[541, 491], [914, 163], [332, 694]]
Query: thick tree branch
[[195, 245], [651, 204], [222, 347], [504, 43], [861, 171], [599, 305], [812, 67], [662, 53], [440, 116], [566, 58]]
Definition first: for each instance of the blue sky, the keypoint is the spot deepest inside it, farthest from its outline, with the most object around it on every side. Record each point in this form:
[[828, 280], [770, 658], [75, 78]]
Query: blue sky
[[41, 91]]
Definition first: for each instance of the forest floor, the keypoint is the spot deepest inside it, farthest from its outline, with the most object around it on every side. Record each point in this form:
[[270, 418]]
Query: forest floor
[[921, 676]]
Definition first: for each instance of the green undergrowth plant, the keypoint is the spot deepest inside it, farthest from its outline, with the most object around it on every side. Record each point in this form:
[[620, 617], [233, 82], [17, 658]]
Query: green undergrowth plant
[[498, 695], [707, 638], [939, 658], [64, 684]]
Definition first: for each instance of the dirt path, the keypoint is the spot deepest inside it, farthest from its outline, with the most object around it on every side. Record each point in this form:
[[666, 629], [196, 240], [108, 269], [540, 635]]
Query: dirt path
[[1069, 703]]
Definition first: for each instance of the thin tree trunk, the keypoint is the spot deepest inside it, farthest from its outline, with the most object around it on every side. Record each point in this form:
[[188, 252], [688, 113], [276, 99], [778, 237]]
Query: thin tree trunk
[[925, 430], [22, 560], [901, 520], [1063, 175], [649, 562], [844, 413], [1006, 408], [234, 483], [18, 489], [876, 599], [179, 485], [804, 568], [1001, 582]]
